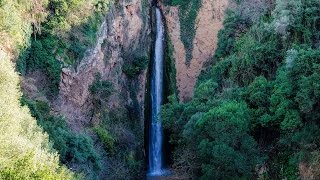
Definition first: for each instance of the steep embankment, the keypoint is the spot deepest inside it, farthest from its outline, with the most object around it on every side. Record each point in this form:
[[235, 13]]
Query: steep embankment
[[25, 151], [105, 92], [123, 36], [84, 78], [207, 25]]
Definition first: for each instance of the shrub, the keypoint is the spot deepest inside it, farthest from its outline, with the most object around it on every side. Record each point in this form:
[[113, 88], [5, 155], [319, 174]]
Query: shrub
[[41, 58], [136, 66], [73, 148], [106, 138], [16, 19]]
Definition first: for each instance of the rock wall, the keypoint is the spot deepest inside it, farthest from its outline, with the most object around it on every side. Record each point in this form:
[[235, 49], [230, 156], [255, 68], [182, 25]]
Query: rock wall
[[208, 23], [125, 31]]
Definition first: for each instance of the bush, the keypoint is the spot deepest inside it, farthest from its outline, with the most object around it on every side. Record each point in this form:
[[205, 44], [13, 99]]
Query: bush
[[16, 20], [106, 138], [136, 66], [41, 58], [73, 148]]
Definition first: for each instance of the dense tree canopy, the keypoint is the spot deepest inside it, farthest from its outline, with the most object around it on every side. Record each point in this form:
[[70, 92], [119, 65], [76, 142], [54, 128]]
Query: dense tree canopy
[[45, 34], [255, 112]]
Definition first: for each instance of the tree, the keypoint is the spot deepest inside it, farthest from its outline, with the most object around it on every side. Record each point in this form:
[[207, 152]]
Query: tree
[[225, 148], [25, 151]]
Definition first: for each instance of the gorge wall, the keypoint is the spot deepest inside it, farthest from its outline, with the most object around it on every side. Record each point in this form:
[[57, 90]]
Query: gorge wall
[[123, 35], [126, 33]]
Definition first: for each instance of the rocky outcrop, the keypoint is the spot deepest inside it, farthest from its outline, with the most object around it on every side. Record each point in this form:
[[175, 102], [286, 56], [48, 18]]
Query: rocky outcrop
[[125, 31], [208, 23]]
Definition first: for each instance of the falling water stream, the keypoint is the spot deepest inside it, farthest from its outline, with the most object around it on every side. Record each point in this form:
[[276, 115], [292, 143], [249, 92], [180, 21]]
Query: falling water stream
[[156, 133]]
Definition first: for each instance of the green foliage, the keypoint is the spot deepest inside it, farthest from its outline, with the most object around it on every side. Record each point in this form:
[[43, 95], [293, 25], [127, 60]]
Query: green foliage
[[227, 150], [257, 55], [25, 150], [122, 140], [233, 26], [106, 138], [170, 70], [16, 18], [259, 104], [73, 148], [133, 162], [21, 169], [219, 138], [62, 31], [136, 66], [71, 28], [119, 131], [41, 58]]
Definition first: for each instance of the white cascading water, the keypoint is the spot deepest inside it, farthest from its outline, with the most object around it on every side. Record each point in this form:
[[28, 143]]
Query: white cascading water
[[156, 139]]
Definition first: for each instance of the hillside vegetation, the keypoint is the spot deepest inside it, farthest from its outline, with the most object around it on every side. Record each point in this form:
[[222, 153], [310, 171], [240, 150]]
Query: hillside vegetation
[[39, 38], [255, 112], [25, 151], [44, 36], [61, 40]]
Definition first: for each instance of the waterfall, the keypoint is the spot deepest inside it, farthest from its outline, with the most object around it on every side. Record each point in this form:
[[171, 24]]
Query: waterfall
[[156, 134]]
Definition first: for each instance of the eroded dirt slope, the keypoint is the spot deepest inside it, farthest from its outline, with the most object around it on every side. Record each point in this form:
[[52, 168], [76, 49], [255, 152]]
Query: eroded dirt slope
[[208, 23]]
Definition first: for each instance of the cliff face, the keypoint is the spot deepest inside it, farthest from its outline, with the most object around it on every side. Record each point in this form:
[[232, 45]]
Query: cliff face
[[207, 25], [124, 33]]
